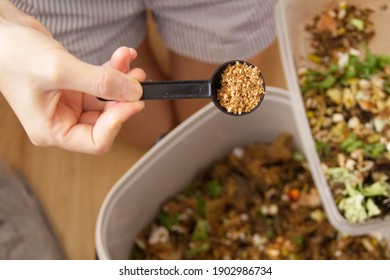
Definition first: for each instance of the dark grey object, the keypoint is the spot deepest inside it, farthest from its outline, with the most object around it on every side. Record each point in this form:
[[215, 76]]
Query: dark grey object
[[24, 230]]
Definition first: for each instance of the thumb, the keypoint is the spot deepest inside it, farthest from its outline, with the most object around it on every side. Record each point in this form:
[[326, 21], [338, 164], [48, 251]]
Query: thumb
[[100, 81]]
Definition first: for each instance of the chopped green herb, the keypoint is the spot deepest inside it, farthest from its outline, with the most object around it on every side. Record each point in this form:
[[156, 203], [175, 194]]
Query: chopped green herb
[[167, 220], [318, 80], [260, 215], [213, 188], [298, 156], [203, 247], [298, 240], [200, 230], [201, 206], [357, 23], [351, 144], [271, 234], [333, 68], [135, 254], [365, 68], [374, 150], [323, 149], [386, 87]]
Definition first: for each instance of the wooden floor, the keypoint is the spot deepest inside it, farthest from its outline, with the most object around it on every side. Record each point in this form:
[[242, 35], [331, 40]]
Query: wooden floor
[[70, 186]]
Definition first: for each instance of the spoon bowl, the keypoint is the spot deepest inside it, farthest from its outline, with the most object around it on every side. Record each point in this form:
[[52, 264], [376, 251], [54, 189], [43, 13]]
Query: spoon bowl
[[216, 85]]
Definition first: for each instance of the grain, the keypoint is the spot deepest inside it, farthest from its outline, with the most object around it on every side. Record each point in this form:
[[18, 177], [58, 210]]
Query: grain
[[241, 88]]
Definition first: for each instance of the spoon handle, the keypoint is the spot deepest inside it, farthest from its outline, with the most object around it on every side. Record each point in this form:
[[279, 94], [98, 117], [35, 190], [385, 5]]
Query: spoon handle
[[176, 90]]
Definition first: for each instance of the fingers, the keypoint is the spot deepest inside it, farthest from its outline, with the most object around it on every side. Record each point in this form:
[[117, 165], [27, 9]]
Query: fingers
[[100, 122], [138, 74], [105, 130], [111, 121], [121, 60], [89, 117], [98, 137], [100, 81]]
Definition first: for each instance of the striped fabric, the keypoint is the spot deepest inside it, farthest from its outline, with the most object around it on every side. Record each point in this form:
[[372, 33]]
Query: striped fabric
[[212, 31]]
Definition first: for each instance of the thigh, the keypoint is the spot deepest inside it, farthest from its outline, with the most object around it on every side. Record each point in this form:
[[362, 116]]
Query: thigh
[[91, 29], [186, 68], [215, 31]]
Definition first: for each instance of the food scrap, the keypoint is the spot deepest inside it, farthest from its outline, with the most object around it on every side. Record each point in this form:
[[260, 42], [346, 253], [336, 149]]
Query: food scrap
[[347, 100], [339, 29], [255, 203]]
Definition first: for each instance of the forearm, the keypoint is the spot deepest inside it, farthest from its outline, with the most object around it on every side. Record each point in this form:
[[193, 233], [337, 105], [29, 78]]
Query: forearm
[[22, 37]]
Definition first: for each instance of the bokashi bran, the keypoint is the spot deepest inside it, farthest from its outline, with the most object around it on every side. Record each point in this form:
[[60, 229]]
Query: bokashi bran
[[241, 88]]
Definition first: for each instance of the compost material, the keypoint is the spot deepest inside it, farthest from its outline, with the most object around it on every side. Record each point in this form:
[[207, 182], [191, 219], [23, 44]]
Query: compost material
[[259, 202]]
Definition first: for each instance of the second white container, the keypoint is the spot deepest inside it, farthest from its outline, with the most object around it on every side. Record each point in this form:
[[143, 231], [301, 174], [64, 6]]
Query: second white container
[[291, 17]]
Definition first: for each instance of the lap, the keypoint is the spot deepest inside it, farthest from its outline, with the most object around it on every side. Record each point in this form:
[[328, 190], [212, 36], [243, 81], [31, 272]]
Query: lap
[[208, 31]]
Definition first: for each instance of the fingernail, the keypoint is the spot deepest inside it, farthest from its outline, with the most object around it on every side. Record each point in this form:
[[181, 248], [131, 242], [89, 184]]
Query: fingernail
[[133, 52]]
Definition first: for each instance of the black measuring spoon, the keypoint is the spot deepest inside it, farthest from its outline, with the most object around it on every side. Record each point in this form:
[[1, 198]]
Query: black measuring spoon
[[168, 90]]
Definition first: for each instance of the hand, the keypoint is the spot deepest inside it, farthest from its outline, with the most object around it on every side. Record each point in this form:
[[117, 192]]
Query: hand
[[54, 94]]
